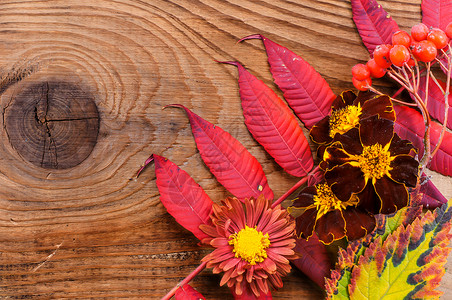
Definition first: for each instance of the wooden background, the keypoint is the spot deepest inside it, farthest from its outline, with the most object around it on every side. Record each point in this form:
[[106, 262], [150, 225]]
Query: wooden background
[[90, 231]]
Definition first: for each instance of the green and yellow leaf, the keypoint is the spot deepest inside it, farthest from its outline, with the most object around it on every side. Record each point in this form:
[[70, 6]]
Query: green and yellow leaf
[[407, 264]]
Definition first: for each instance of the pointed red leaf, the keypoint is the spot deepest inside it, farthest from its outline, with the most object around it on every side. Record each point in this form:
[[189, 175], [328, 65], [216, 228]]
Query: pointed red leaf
[[228, 160], [314, 260], [431, 196], [435, 103], [186, 292], [182, 197], [305, 90], [273, 125], [374, 24], [436, 13], [410, 125]]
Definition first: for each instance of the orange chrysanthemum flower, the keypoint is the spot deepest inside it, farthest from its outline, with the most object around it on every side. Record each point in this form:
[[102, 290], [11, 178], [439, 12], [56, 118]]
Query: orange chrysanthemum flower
[[253, 244]]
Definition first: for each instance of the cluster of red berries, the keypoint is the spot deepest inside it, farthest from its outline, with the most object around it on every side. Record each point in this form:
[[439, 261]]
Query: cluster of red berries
[[422, 45]]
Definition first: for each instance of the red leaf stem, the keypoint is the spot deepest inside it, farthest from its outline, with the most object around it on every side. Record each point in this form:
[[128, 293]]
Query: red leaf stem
[[185, 281]]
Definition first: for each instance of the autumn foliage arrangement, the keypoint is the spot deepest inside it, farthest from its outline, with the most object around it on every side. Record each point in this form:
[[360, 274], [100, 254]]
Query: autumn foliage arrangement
[[362, 185]]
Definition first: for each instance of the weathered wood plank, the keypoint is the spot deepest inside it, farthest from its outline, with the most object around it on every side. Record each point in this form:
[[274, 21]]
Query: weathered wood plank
[[88, 230]]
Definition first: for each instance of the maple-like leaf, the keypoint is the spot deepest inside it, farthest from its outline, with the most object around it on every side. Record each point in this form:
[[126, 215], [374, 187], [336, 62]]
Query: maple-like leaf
[[305, 90], [407, 264], [273, 125], [374, 24], [228, 160], [182, 197], [409, 125], [187, 292]]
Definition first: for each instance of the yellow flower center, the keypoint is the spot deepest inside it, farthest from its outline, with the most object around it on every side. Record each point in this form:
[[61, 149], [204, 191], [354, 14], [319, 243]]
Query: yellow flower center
[[326, 201], [344, 119], [375, 161], [250, 244]]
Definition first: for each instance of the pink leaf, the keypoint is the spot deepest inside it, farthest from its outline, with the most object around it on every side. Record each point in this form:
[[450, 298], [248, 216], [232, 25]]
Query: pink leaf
[[182, 197], [435, 103], [410, 125], [305, 90], [186, 292], [228, 160], [314, 260], [431, 196], [273, 125], [436, 13], [374, 24]]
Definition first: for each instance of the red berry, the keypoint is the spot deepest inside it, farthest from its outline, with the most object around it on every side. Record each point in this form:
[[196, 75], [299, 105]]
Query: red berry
[[399, 55], [419, 32], [448, 30], [360, 72], [362, 85], [381, 55], [401, 38], [375, 70], [424, 51], [411, 62], [438, 37]]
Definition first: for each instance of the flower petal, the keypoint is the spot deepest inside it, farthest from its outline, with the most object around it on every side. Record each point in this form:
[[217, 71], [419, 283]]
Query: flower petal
[[393, 196], [305, 197], [306, 222], [335, 156], [399, 146], [405, 169], [358, 223], [345, 180], [330, 227], [379, 105], [320, 132], [349, 141], [375, 130], [369, 200]]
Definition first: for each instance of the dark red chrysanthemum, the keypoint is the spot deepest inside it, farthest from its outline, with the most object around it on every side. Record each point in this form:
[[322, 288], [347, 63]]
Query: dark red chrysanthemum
[[329, 217], [373, 163], [346, 112], [253, 244]]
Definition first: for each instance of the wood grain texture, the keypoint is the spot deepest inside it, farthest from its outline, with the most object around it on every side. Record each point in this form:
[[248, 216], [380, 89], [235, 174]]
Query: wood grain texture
[[89, 231]]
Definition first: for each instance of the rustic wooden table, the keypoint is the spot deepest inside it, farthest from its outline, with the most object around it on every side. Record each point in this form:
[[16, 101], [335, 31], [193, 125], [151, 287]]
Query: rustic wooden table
[[81, 109]]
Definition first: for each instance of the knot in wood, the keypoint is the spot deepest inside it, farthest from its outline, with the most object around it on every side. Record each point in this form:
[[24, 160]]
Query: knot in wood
[[52, 124]]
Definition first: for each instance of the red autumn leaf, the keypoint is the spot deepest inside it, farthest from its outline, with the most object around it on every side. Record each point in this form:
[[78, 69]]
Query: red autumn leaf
[[305, 90], [314, 260], [374, 24], [186, 292], [431, 196], [435, 102], [436, 13], [228, 160], [410, 125], [273, 125], [182, 197]]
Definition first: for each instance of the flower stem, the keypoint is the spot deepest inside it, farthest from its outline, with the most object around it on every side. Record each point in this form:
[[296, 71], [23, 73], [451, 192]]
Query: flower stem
[[185, 281]]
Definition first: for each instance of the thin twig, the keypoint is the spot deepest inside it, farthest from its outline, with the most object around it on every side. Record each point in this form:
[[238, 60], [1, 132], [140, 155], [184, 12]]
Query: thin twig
[[185, 281]]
